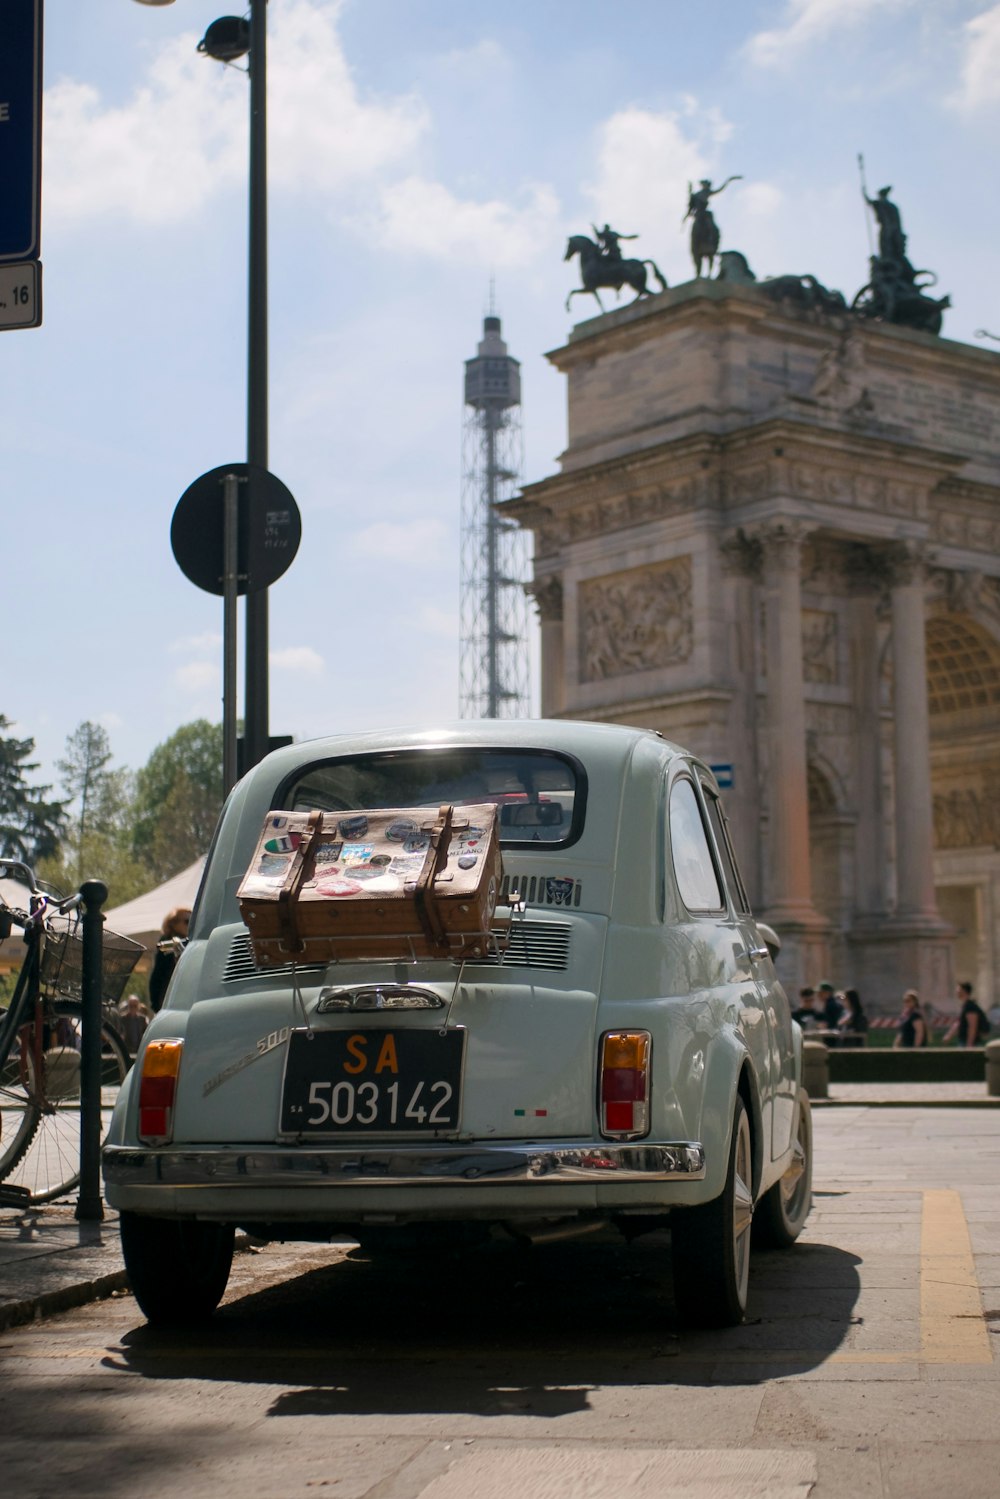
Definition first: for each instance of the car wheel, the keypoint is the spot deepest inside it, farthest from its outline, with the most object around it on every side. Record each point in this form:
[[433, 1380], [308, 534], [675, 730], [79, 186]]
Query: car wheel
[[177, 1269], [783, 1210], [711, 1243]]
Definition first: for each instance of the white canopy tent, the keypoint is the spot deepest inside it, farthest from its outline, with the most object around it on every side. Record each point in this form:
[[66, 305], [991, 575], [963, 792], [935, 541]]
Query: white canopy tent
[[142, 918]]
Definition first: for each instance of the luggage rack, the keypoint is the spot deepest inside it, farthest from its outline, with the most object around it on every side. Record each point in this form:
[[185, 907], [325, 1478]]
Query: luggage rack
[[315, 952]]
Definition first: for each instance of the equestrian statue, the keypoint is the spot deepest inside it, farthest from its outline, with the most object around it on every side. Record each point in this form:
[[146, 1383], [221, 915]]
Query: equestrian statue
[[602, 264], [704, 229]]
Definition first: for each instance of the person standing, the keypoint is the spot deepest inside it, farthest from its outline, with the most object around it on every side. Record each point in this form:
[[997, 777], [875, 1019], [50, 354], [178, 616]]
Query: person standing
[[132, 1023], [911, 1027], [807, 1015], [853, 1023], [972, 1026], [829, 1005], [169, 948]]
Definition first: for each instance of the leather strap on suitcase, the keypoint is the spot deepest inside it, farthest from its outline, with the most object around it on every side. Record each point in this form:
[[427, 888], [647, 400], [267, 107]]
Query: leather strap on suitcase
[[424, 896], [300, 871]]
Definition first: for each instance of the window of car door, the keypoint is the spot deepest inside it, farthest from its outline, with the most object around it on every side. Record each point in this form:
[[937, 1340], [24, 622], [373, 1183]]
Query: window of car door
[[720, 828], [695, 870]]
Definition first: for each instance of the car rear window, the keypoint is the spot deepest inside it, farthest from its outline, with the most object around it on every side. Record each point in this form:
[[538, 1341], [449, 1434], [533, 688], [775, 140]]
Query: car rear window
[[541, 795]]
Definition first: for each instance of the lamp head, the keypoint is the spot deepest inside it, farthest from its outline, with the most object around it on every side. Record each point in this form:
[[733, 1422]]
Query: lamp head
[[226, 39]]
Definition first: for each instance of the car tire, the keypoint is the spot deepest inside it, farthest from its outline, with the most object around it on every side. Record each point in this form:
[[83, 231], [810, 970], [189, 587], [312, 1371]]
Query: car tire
[[711, 1243], [177, 1268], [782, 1211]]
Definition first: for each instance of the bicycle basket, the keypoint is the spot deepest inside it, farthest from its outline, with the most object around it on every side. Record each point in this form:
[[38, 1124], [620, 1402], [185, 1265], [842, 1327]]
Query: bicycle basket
[[62, 963]]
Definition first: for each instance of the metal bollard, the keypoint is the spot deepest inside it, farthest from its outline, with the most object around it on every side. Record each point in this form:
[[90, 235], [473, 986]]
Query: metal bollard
[[815, 1069], [90, 1207], [992, 1050]]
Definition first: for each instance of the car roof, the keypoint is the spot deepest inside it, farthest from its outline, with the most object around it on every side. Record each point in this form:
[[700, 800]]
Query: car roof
[[608, 742]]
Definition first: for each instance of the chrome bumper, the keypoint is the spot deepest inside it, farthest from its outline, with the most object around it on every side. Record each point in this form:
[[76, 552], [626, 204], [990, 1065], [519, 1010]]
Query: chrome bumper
[[403, 1166]]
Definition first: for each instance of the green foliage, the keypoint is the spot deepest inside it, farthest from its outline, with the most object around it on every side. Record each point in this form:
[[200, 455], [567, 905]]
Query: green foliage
[[99, 857], [31, 823], [103, 800], [178, 797]]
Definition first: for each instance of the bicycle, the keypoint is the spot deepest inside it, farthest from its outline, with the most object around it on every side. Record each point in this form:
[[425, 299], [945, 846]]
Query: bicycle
[[40, 1034]]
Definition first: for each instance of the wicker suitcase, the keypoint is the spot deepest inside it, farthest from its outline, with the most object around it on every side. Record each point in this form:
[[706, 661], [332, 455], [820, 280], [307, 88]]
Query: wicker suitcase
[[401, 883]]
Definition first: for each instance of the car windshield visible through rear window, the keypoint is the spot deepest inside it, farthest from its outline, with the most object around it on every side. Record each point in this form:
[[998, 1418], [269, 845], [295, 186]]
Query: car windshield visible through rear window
[[540, 795]]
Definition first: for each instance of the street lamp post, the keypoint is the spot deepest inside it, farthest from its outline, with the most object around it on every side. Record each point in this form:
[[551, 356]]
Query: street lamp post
[[225, 40]]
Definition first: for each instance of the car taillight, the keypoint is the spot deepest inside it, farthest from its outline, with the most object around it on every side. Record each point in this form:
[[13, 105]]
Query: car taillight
[[625, 1083], [157, 1087]]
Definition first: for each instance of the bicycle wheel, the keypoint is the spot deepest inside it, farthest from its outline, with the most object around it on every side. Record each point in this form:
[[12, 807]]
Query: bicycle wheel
[[19, 1110], [49, 1164]]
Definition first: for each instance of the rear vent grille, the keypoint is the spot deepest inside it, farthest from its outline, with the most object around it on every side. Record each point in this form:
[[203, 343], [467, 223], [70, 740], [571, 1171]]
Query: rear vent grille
[[533, 944], [240, 963], [542, 890]]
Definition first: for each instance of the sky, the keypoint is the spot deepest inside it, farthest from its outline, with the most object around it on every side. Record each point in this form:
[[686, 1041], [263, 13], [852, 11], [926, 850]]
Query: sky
[[417, 149]]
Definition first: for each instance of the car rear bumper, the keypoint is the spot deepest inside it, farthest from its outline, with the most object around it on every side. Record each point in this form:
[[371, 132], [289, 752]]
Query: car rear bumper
[[279, 1168]]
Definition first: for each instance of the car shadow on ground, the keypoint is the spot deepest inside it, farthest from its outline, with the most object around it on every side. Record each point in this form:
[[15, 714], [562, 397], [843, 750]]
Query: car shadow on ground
[[501, 1330]]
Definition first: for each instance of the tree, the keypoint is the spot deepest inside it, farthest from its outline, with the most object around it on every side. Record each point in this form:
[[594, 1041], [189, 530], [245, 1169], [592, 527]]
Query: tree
[[89, 782], [178, 798], [98, 841], [31, 824]]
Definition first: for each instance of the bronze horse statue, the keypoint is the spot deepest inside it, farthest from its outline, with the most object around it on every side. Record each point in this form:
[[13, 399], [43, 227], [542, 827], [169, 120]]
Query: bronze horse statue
[[598, 269]]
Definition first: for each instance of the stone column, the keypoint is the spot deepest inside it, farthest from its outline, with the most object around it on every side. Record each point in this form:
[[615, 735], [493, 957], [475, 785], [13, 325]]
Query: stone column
[[911, 730], [789, 884], [910, 948], [741, 565], [547, 593], [866, 576]]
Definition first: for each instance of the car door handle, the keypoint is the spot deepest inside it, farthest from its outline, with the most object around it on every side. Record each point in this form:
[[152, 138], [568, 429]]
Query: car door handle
[[757, 952]]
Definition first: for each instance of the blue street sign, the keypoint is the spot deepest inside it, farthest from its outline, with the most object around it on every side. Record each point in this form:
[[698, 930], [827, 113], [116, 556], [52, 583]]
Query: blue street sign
[[20, 128], [723, 776]]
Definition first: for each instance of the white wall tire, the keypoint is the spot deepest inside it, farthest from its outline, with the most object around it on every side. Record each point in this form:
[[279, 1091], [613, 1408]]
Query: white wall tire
[[711, 1243], [783, 1210]]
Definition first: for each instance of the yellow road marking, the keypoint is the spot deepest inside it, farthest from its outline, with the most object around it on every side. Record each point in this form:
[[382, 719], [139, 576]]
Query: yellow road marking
[[952, 1327]]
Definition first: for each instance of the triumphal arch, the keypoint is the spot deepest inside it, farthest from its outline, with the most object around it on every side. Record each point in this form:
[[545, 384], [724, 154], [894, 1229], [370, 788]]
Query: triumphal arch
[[775, 537]]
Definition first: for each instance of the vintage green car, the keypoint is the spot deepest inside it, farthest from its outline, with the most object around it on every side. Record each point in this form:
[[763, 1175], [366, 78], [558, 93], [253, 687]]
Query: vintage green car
[[622, 1053]]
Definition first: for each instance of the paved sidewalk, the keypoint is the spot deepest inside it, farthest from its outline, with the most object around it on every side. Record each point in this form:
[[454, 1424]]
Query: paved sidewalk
[[49, 1262]]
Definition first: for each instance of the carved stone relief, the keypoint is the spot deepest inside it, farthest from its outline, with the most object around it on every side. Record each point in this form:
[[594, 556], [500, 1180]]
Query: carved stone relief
[[547, 594], [819, 646], [580, 518], [969, 816], [841, 375], [638, 620]]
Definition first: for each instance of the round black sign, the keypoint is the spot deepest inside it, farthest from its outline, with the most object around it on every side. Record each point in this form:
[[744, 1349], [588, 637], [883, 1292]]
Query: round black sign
[[269, 529]]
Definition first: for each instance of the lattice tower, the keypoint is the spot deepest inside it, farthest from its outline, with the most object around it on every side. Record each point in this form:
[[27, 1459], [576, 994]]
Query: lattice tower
[[493, 669]]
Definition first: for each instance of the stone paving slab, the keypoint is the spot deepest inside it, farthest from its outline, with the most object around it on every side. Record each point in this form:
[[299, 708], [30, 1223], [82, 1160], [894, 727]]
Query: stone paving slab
[[49, 1262]]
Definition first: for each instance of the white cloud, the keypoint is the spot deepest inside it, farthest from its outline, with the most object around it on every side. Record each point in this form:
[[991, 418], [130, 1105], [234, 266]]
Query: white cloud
[[425, 216], [809, 22], [297, 660], [980, 80], [182, 136], [646, 161], [406, 541], [197, 676], [761, 200], [320, 132], [196, 645]]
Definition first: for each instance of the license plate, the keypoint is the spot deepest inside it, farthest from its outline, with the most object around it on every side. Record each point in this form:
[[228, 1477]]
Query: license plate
[[373, 1082]]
